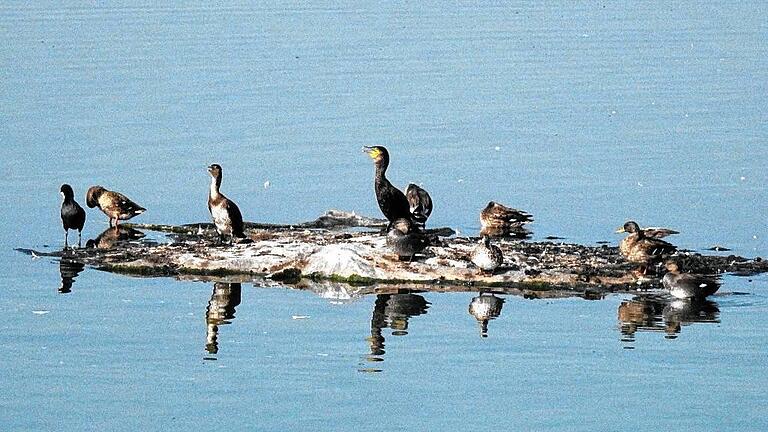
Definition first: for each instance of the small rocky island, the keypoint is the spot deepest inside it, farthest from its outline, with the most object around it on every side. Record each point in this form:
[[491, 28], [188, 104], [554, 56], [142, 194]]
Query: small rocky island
[[349, 249]]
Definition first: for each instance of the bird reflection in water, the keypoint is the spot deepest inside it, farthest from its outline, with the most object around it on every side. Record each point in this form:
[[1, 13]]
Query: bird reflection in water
[[660, 314], [69, 268], [111, 237], [393, 311], [484, 308], [221, 310]]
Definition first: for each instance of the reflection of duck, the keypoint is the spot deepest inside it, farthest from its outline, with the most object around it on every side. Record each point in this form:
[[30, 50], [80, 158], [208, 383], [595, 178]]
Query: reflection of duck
[[406, 239], [221, 309], [392, 201], [393, 311], [637, 247], [498, 220], [485, 308], [486, 256], [113, 236], [655, 314], [686, 285], [420, 203], [72, 215], [114, 204], [640, 313], [225, 213], [681, 312], [69, 269]]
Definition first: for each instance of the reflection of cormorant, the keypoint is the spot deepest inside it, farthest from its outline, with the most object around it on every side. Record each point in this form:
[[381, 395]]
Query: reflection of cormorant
[[112, 236], [69, 269], [220, 310], [485, 308], [393, 311], [655, 314]]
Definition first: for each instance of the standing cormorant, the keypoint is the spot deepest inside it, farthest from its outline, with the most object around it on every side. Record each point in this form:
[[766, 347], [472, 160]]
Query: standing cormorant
[[225, 213], [392, 201]]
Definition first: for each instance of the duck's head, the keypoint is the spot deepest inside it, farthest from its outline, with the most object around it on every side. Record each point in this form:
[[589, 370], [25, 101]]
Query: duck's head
[[214, 170], [92, 196], [379, 154], [67, 192], [629, 227], [672, 266]]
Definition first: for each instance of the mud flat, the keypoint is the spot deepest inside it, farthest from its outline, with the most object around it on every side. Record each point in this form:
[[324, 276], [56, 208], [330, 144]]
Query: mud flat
[[346, 252]]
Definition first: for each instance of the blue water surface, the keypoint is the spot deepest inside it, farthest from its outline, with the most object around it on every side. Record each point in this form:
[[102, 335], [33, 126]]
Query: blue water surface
[[584, 114]]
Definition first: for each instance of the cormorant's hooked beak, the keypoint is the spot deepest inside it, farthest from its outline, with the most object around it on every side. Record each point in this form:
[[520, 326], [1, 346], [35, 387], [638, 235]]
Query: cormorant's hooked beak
[[373, 152], [620, 230]]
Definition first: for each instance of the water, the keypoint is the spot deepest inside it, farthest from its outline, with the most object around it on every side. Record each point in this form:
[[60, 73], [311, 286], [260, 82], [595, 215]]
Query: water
[[584, 114]]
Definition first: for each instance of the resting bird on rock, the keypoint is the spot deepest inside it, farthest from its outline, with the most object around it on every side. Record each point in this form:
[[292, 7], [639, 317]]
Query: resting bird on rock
[[392, 201], [72, 215], [225, 213], [405, 239], [114, 204], [497, 219], [686, 285], [639, 248], [486, 256]]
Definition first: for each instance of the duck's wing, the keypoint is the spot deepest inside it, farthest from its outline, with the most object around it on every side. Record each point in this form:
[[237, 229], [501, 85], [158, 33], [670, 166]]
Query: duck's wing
[[658, 232], [236, 218], [116, 201], [656, 247]]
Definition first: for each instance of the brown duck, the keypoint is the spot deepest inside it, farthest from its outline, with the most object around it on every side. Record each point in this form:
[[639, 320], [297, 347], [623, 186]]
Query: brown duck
[[638, 247], [114, 204]]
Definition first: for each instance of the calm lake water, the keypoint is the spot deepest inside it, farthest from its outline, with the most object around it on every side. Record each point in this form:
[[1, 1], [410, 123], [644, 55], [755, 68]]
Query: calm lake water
[[583, 113]]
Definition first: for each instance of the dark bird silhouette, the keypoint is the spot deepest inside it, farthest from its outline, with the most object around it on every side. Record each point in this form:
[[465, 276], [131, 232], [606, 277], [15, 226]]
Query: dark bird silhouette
[[406, 239], [225, 213], [114, 204], [392, 201], [72, 215]]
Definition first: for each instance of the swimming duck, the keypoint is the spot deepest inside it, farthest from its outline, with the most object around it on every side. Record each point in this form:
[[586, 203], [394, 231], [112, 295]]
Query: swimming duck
[[497, 217], [420, 204], [392, 201], [686, 285], [114, 204], [485, 308], [72, 215], [225, 213], [487, 256], [639, 248], [405, 239]]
